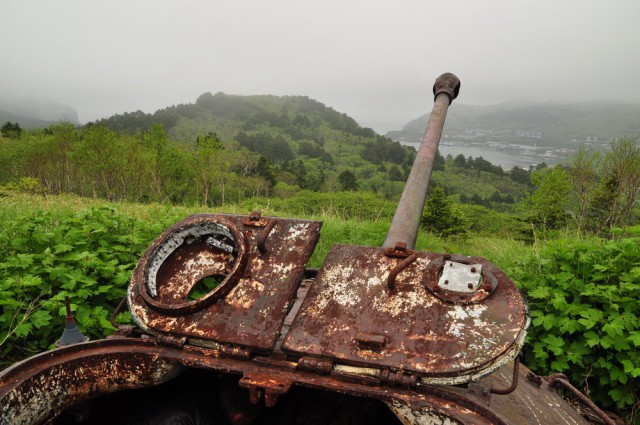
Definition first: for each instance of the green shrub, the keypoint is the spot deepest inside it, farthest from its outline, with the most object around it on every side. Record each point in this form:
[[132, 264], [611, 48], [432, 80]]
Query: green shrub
[[88, 256], [442, 216], [583, 296], [486, 221]]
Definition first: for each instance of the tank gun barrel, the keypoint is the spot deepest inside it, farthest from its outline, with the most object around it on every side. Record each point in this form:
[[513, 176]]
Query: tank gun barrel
[[406, 220]]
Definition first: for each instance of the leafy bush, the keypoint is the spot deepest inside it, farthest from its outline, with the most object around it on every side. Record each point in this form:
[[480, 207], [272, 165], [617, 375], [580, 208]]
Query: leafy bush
[[88, 256], [583, 296], [486, 221]]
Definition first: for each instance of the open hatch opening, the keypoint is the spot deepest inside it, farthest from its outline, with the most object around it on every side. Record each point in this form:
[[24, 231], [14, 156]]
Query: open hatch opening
[[199, 397]]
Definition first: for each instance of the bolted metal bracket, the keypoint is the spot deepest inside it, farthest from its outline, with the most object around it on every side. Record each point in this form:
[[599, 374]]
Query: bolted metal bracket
[[255, 219], [480, 391], [265, 387], [460, 279], [400, 250]]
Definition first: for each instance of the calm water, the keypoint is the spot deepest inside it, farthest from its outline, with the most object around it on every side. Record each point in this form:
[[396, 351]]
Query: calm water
[[505, 160]]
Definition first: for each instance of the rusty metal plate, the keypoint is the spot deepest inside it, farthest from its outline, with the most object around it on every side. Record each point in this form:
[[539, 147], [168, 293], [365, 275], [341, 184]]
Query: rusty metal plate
[[258, 269], [351, 316]]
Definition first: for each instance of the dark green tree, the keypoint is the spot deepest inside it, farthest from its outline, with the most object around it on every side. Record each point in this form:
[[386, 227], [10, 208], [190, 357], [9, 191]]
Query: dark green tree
[[10, 130], [551, 199], [395, 174], [441, 216], [460, 161], [600, 209], [265, 170], [348, 180], [520, 175]]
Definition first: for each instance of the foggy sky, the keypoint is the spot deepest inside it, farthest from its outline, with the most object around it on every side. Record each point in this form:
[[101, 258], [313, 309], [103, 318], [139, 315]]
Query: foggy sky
[[374, 60]]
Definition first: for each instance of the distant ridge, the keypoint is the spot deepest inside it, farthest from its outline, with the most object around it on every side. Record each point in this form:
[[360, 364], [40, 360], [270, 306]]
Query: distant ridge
[[35, 114], [24, 122], [559, 123]]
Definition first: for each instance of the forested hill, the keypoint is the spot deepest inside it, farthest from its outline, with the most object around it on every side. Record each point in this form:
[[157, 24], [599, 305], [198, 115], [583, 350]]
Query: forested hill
[[298, 117], [280, 128], [557, 123]]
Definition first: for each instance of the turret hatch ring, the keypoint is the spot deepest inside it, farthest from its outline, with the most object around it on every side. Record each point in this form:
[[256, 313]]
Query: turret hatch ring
[[193, 265]]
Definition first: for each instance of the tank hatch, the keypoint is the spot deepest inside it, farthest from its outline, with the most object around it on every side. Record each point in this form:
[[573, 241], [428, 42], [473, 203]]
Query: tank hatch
[[447, 319], [222, 279]]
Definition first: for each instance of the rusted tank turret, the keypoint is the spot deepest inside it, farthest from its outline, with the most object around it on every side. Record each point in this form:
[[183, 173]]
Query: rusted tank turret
[[230, 327]]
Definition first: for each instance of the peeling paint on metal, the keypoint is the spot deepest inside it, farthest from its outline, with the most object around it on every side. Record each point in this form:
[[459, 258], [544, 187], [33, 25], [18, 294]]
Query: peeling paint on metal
[[251, 312], [425, 335]]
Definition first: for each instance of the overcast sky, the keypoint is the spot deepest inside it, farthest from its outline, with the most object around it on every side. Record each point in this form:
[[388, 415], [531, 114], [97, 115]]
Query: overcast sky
[[374, 60]]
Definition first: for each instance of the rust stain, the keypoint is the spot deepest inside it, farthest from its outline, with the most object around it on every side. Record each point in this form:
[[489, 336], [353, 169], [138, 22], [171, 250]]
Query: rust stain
[[251, 310], [426, 335]]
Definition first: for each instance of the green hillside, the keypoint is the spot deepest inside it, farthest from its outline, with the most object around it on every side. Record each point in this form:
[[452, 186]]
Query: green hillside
[[310, 143]]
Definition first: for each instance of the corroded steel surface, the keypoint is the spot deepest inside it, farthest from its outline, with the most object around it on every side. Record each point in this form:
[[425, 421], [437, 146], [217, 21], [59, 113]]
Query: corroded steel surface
[[351, 316], [41, 387], [533, 403], [252, 308]]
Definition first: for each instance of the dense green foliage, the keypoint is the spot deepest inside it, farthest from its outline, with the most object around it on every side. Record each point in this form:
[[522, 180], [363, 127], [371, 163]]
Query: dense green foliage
[[595, 193], [96, 162], [88, 256], [265, 145], [583, 296], [10, 130]]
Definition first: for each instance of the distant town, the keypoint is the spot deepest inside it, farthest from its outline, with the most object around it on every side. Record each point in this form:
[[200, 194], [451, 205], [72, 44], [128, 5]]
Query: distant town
[[507, 148]]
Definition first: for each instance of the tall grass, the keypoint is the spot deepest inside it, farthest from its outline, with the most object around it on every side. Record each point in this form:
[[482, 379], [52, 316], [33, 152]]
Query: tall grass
[[337, 228]]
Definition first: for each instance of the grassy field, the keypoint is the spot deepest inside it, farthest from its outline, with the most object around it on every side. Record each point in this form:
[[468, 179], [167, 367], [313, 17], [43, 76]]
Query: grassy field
[[335, 228]]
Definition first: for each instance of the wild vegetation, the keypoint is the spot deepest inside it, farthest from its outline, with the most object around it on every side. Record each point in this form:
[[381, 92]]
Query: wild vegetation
[[79, 205]]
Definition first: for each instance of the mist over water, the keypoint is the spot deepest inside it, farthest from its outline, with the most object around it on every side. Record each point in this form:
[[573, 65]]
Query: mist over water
[[506, 160]]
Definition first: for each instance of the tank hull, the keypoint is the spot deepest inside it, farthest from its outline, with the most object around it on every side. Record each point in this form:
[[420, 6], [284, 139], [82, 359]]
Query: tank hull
[[46, 386]]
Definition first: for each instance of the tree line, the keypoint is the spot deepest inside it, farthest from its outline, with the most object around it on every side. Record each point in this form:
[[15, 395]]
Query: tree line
[[147, 166], [595, 192], [97, 162]]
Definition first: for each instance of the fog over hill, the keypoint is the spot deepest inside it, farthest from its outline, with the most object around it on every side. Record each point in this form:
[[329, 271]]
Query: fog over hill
[[35, 113]]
